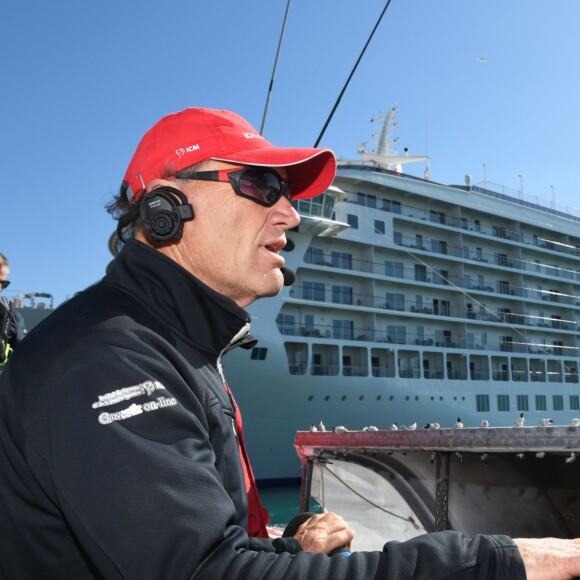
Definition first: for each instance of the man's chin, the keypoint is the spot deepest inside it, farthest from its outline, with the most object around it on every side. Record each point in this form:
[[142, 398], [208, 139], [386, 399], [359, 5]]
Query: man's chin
[[274, 285]]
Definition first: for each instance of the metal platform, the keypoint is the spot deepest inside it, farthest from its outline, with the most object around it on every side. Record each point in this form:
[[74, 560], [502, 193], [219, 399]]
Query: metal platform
[[520, 481]]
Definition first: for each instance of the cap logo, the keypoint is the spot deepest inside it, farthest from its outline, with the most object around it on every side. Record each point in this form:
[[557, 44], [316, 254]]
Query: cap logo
[[190, 149], [252, 136]]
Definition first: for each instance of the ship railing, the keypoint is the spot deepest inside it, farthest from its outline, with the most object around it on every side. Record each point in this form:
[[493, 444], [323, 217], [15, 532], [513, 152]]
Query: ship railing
[[398, 270], [555, 373], [399, 303], [399, 336], [475, 225], [442, 247]]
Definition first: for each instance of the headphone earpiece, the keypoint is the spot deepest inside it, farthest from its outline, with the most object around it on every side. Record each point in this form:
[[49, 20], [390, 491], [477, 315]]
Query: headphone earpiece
[[163, 211]]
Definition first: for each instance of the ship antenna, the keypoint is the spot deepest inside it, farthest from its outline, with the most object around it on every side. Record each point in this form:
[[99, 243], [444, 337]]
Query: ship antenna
[[351, 75], [274, 70]]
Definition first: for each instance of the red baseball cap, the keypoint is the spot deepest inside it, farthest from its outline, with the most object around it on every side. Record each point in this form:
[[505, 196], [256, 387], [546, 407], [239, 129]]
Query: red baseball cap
[[193, 135]]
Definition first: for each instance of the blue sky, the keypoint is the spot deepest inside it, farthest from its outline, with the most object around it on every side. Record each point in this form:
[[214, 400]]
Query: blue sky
[[82, 81]]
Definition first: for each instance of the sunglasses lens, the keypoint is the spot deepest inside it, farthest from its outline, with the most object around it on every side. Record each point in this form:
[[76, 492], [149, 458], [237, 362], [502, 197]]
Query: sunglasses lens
[[263, 186]]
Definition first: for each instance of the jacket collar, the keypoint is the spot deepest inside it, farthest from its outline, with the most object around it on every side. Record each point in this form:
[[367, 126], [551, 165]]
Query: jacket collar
[[191, 309]]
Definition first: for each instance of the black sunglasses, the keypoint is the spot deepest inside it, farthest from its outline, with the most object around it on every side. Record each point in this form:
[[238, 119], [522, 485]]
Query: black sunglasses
[[261, 185], [4, 284]]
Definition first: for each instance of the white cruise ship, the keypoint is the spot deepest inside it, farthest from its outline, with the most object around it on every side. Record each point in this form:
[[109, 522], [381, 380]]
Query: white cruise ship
[[414, 303]]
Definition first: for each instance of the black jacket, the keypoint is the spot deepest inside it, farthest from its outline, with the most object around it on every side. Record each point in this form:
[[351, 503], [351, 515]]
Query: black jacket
[[118, 456]]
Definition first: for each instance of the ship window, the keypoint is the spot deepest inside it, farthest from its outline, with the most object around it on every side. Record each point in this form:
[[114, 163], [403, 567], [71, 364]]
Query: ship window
[[314, 256], [398, 238], [341, 260], [574, 403], [395, 269], [313, 291], [392, 206], [420, 273], [342, 329], [367, 200], [379, 227], [522, 403], [297, 354], [397, 333], [324, 360], [437, 216], [501, 259], [395, 301], [259, 353], [503, 402], [541, 403], [352, 221], [342, 294], [558, 402], [286, 323], [498, 232]]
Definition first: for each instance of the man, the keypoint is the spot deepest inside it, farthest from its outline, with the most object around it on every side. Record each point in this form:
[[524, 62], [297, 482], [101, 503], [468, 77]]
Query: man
[[12, 329], [121, 449]]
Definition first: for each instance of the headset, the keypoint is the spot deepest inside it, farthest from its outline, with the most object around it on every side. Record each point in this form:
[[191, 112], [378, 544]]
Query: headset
[[163, 211]]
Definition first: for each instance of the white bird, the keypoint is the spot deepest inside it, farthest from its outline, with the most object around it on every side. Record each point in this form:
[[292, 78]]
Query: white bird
[[340, 429], [313, 428], [546, 422], [572, 458], [370, 428], [540, 454], [458, 423], [520, 455], [481, 59], [485, 423], [519, 422], [432, 426], [575, 422], [412, 426], [394, 427], [321, 426]]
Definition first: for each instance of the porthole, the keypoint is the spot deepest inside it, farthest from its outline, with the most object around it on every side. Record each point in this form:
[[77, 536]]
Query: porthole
[[391, 397], [343, 398], [327, 398], [361, 397], [379, 397], [311, 398]]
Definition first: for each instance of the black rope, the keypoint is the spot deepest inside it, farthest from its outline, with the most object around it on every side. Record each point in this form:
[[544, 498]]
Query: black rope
[[351, 75]]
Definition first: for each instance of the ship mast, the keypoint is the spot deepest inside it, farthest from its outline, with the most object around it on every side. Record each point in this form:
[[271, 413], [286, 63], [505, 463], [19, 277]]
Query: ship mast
[[383, 155]]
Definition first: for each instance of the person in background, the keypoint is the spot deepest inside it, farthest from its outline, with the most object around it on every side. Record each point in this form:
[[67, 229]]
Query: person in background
[[12, 328], [121, 446]]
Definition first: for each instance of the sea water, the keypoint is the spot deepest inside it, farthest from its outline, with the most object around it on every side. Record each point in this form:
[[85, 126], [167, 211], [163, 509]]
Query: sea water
[[283, 503]]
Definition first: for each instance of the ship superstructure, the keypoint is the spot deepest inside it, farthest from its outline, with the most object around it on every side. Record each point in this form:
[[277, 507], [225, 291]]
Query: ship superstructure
[[414, 303]]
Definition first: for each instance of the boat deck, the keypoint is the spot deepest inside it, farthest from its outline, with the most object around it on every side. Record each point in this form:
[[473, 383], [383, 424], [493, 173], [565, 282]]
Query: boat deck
[[521, 481]]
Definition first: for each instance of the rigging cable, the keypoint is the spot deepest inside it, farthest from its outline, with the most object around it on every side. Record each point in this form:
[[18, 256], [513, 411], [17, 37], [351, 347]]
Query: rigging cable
[[274, 70], [351, 75]]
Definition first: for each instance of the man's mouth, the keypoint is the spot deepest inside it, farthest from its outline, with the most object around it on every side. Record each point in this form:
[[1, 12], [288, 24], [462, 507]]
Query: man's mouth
[[275, 247]]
